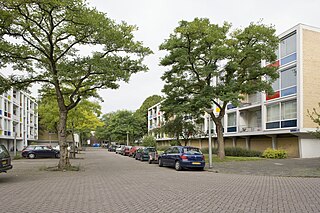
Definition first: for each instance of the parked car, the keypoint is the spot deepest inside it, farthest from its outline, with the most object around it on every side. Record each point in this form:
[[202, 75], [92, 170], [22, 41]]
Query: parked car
[[40, 151], [143, 153], [181, 157], [5, 159], [153, 157], [69, 148], [112, 148], [96, 145], [119, 149], [126, 150], [132, 152]]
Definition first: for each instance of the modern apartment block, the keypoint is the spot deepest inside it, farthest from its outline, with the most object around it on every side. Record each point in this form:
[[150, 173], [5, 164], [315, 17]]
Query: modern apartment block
[[18, 119], [280, 120]]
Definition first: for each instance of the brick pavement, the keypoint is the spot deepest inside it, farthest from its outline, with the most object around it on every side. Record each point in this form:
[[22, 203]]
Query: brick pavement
[[114, 183]]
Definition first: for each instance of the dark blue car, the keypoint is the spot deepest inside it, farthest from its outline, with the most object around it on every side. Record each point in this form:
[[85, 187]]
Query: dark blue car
[[181, 157], [143, 153]]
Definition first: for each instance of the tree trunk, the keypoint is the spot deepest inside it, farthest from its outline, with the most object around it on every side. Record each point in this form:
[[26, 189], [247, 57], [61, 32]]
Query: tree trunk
[[64, 161], [219, 129]]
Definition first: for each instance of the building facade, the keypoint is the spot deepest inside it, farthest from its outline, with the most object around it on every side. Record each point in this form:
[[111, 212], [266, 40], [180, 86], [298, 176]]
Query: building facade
[[280, 120], [18, 119]]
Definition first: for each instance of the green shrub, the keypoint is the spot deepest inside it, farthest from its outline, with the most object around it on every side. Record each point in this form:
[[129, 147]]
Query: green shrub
[[162, 148], [206, 150], [234, 151], [275, 153], [149, 141], [175, 143], [240, 152]]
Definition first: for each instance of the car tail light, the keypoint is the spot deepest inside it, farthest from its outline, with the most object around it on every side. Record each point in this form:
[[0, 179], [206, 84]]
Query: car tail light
[[183, 157]]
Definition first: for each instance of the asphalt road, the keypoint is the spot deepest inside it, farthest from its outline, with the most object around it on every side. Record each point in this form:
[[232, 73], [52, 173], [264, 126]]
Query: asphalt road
[[113, 183]]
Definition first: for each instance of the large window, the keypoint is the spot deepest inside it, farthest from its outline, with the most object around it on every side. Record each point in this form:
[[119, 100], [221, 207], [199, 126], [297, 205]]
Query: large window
[[288, 46], [289, 110], [232, 120], [273, 113], [288, 77]]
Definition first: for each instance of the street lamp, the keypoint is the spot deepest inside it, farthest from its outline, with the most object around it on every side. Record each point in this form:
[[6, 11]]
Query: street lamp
[[210, 145], [127, 138]]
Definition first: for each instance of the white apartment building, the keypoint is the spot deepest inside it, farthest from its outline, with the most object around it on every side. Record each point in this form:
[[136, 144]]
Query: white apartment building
[[278, 121], [18, 119]]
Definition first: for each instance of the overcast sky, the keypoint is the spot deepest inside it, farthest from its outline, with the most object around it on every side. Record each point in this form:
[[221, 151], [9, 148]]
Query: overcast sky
[[156, 19]]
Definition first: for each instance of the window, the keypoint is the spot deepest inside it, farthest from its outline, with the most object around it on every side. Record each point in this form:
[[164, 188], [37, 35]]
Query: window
[[289, 110], [288, 46], [273, 112], [232, 119], [276, 85], [288, 78]]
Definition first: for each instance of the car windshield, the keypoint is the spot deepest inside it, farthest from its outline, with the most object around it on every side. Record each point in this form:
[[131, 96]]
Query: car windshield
[[191, 150], [3, 152]]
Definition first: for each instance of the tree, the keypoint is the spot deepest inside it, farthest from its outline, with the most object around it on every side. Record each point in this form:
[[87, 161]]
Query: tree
[[81, 119], [210, 65], [315, 117], [149, 141], [43, 39]]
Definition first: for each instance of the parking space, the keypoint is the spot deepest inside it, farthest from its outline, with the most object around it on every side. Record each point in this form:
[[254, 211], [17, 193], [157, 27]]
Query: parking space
[[114, 183]]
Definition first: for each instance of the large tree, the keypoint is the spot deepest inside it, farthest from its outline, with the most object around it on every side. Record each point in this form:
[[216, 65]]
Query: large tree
[[42, 40], [210, 66]]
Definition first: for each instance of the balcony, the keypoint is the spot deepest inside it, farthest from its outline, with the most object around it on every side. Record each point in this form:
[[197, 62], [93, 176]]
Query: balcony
[[245, 128]]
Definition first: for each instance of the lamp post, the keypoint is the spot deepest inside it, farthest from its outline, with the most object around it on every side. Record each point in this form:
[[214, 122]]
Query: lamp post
[[210, 145], [127, 138]]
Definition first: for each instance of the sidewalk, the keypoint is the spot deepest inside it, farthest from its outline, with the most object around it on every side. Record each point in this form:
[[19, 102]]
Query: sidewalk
[[294, 167]]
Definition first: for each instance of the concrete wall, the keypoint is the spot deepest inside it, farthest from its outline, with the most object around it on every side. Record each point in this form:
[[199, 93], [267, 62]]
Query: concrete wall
[[310, 148], [311, 74], [228, 142], [260, 144]]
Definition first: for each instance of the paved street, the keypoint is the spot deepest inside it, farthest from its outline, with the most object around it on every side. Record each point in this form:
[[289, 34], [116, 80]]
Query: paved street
[[113, 183]]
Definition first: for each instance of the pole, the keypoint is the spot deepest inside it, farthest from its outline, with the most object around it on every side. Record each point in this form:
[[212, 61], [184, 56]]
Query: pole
[[15, 144], [127, 138], [210, 145]]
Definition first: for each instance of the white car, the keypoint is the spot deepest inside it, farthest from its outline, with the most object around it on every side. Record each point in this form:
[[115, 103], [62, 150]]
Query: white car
[[119, 149]]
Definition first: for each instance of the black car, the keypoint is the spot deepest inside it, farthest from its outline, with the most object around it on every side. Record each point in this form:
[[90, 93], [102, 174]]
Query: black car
[[143, 153], [40, 151], [5, 159]]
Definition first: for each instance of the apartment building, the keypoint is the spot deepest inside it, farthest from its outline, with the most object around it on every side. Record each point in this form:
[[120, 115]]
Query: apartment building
[[280, 120], [18, 119]]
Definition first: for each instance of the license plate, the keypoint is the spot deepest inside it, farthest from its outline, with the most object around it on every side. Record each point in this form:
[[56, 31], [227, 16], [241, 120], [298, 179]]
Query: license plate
[[4, 162], [196, 163]]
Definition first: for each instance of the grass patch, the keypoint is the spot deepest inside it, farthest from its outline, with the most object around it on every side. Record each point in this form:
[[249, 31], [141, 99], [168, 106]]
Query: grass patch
[[56, 169], [17, 157], [230, 158]]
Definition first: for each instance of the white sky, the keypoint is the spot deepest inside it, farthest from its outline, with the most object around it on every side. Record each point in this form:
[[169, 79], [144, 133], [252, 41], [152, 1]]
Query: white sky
[[156, 19]]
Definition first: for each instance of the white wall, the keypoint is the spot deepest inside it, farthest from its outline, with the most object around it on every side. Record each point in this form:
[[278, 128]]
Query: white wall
[[309, 148]]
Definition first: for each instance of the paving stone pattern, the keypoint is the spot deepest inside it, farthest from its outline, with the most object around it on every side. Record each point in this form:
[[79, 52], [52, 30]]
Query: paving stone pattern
[[113, 183]]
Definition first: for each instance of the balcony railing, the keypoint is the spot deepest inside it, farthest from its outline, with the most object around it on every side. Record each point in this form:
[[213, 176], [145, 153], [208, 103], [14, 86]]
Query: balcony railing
[[245, 128]]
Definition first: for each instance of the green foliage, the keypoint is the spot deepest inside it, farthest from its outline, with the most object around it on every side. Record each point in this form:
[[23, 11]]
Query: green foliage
[[175, 143], [162, 148], [201, 53], [234, 151], [117, 125], [315, 117], [275, 154], [149, 141]]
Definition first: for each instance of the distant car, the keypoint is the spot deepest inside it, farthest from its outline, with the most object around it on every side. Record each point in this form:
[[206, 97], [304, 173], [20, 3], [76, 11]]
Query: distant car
[[96, 145], [143, 153], [181, 157], [40, 151], [119, 149], [112, 148], [126, 150], [5, 159]]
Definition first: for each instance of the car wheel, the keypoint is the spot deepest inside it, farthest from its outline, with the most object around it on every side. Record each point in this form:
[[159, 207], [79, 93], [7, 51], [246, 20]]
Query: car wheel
[[57, 155], [160, 162], [31, 156], [177, 165]]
